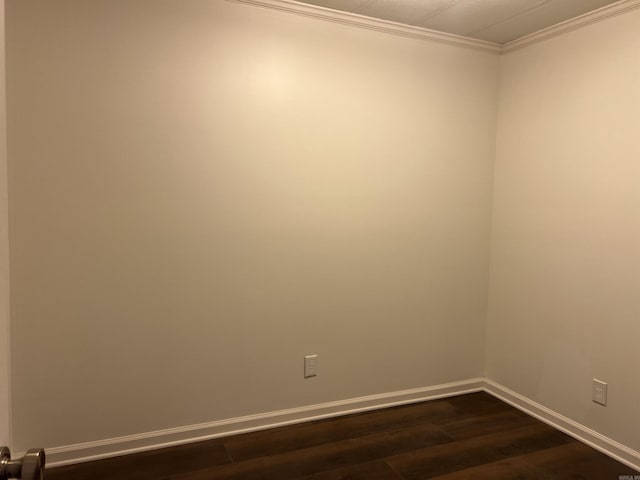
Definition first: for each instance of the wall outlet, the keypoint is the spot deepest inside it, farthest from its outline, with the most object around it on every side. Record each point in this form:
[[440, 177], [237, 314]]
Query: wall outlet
[[599, 392], [310, 366]]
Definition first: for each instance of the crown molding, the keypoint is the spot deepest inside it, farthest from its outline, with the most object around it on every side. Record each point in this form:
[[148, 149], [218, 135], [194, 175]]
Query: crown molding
[[385, 26], [394, 28], [608, 11]]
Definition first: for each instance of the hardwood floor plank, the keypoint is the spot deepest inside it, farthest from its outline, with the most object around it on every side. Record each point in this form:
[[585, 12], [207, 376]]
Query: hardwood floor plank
[[377, 470], [469, 425], [480, 402], [280, 440], [459, 455], [508, 469], [151, 465], [572, 461], [575, 461], [324, 458]]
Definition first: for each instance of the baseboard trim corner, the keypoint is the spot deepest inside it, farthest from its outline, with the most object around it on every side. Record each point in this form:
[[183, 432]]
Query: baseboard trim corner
[[112, 447], [604, 444]]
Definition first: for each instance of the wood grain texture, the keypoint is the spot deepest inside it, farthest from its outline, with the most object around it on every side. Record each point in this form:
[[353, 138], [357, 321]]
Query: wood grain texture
[[470, 436]]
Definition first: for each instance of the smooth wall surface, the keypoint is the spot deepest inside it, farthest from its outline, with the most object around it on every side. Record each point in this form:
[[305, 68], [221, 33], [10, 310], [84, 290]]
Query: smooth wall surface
[[202, 192], [565, 268], [5, 404]]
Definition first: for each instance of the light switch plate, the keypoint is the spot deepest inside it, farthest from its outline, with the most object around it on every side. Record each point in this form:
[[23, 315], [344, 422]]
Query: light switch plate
[[599, 392], [310, 366]]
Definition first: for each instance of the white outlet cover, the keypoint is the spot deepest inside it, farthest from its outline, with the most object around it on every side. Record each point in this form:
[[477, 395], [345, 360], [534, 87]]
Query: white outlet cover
[[599, 392], [310, 366]]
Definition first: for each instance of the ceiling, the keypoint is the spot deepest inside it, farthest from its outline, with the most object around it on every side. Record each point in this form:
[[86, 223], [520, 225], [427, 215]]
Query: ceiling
[[498, 21]]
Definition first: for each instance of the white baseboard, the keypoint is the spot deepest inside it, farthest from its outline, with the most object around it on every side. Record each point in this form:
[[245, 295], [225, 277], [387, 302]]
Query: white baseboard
[[84, 452], [578, 431]]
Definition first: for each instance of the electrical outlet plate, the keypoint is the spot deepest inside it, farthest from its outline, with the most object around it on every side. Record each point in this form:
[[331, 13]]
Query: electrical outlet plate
[[310, 366], [599, 392]]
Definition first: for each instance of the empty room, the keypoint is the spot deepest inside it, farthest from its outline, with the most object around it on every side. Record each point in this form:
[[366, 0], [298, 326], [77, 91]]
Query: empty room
[[320, 240]]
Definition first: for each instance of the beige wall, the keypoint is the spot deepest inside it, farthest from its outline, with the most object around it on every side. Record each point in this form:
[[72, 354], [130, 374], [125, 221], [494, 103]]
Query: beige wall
[[202, 192], [565, 269], [5, 411]]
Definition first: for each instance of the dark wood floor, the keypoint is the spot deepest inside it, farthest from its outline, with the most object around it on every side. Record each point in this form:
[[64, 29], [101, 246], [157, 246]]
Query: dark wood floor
[[467, 437]]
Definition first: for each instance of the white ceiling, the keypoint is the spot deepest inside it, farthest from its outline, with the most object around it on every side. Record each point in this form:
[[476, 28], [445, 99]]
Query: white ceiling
[[498, 21]]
